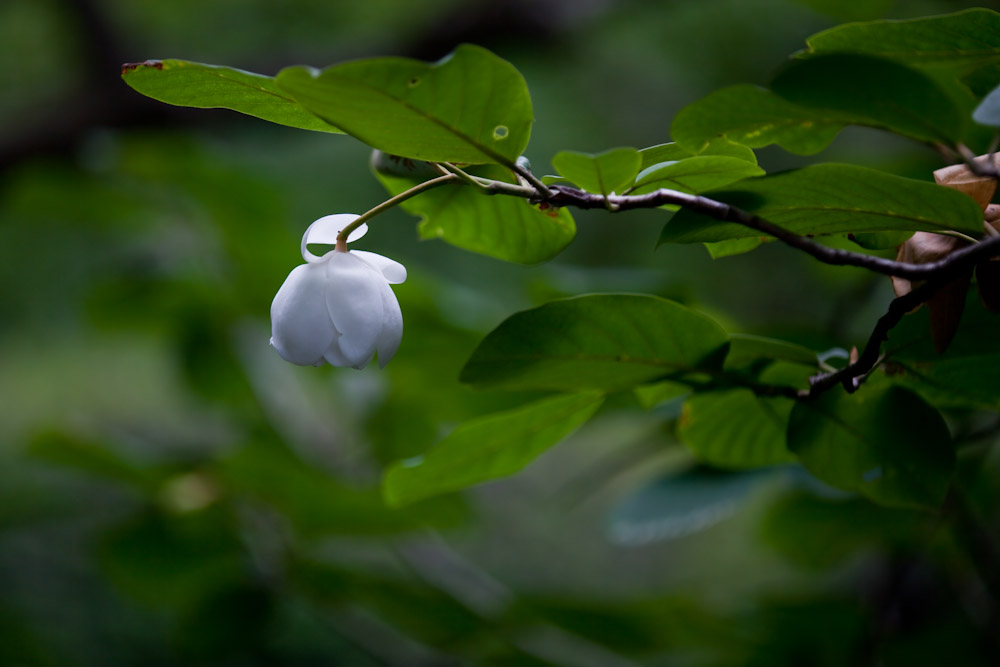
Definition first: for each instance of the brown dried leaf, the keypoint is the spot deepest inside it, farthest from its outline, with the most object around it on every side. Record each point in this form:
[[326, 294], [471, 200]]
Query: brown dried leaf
[[946, 306]]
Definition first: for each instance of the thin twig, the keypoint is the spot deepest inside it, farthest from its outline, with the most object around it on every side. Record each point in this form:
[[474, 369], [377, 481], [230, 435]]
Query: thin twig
[[953, 264]]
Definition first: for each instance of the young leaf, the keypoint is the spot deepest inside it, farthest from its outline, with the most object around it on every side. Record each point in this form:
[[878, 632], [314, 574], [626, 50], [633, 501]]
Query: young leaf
[[603, 173], [961, 40], [508, 228], [471, 107], [832, 199], [885, 443], [599, 341], [188, 84], [735, 429], [755, 117], [865, 90], [672, 152], [489, 447], [695, 174]]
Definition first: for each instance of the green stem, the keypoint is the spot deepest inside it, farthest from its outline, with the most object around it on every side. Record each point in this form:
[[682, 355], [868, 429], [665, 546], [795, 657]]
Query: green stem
[[390, 203]]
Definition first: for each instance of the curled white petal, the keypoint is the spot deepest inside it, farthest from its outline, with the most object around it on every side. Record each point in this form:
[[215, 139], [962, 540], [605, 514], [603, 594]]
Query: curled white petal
[[393, 271], [355, 306], [392, 327], [325, 230], [301, 329]]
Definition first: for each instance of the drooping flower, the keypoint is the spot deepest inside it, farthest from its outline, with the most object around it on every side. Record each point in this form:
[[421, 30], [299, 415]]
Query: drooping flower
[[338, 307]]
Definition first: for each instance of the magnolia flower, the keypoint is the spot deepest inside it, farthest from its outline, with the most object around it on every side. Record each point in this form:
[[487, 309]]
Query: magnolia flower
[[339, 307]]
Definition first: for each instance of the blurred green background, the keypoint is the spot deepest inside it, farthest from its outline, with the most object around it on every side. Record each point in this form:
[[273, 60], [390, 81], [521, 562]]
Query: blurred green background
[[172, 493]]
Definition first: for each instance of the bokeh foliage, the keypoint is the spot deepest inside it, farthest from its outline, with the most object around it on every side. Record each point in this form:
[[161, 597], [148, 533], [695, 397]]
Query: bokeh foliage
[[172, 493]]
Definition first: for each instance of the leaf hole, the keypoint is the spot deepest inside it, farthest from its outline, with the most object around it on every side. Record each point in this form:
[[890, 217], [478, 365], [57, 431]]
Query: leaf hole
[[414, 82], [500, 132]]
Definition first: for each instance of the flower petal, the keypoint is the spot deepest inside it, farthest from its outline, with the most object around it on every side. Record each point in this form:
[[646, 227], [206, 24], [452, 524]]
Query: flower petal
[[326, 229], [392, 327], [355, 306], [301, 330], [393, 271]]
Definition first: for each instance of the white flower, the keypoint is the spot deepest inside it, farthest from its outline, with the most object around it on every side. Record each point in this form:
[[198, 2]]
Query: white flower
[[339, 307]]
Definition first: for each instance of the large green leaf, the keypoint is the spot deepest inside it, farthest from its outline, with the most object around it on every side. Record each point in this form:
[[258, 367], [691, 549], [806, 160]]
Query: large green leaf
[[603, 173], [190, 84], [886, 443], [865, 90], [965, 39], [735, 429], [756, 117], [489, 447], [599, 341], [508, 228], [471, 107], [831, 199], [695, 174]]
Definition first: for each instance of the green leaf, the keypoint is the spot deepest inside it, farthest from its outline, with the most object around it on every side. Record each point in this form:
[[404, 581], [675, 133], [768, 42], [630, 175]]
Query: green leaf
[[733, 247], [967, 375], [599, 341], [964, 39], [188, 84], [603, 173], [885, 443], [735, 429], [682, 504], [749, 353], [756, 117], [832, 199], [865, 90], [651, 395], [508, 228], [672, 152], [988, 111], [489, 447], [695, 174], [470, 107], [316, 504]]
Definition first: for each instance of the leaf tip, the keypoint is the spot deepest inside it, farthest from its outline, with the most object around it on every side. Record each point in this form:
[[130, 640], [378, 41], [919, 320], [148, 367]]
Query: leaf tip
[[129, 67]]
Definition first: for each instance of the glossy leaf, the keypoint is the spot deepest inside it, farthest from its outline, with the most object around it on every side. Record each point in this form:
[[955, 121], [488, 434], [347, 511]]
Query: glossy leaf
[[603, 173], [885, 443], [189, 84], [599, 341], [832, 199], [489, 447], [865, 90], [508, 228], [963, 39], [755, 117], [735, 429], [695, 174], [470, 107]]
